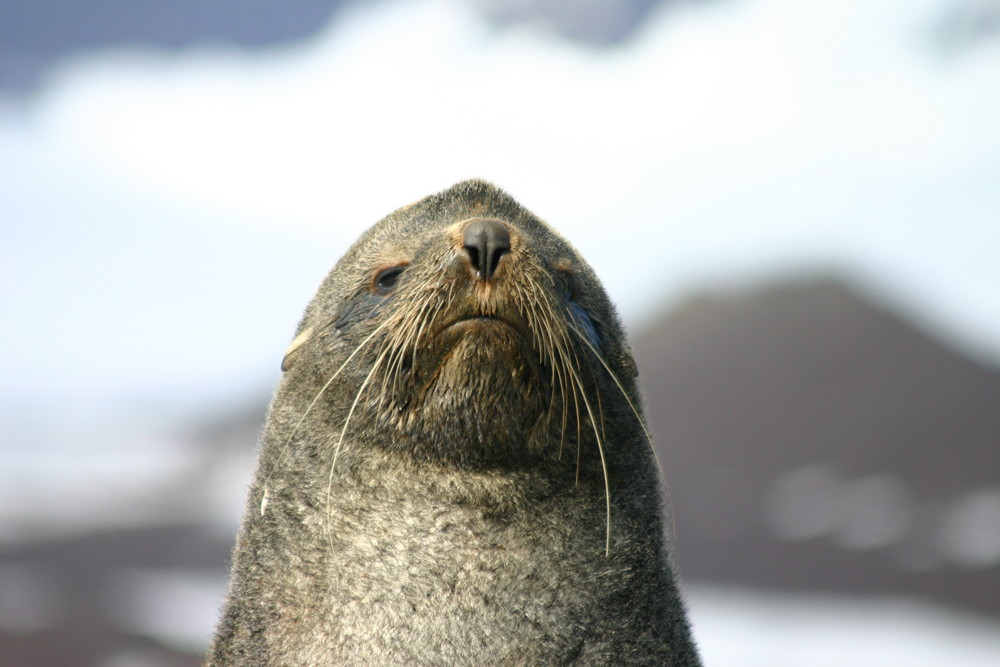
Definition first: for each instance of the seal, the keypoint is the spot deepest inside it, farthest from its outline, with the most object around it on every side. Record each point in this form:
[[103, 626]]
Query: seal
[[455, 469]]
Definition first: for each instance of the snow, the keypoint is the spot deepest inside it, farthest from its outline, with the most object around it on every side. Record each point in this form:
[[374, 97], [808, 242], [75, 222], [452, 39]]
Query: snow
[[733, 627], [747, 628]]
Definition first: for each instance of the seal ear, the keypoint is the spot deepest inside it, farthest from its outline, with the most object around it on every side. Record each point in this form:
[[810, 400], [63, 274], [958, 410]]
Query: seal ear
[[290, 353]]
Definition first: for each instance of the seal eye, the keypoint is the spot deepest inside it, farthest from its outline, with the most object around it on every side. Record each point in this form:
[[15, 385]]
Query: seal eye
[[385, 280]]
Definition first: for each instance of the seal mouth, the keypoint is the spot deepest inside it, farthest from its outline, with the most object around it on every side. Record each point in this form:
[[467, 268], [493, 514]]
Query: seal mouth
[[473, 339], [475, 321], [488, 328]]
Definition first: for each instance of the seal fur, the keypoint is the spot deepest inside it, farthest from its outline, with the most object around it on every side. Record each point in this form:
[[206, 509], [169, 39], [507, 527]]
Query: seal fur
[[455, 467]]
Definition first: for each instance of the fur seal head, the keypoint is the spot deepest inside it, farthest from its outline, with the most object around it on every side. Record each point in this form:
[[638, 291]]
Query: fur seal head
[[469, 330], [455, 468]]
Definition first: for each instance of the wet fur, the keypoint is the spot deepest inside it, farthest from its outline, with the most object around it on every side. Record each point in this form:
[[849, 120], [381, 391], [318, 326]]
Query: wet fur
[[455, 471]]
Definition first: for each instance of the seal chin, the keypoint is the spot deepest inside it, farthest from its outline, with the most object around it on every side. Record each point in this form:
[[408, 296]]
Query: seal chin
[[481, 356], [473, 345], [480, 385]]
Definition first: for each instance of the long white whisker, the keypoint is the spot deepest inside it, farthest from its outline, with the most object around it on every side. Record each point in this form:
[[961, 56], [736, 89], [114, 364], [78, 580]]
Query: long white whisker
[[340, 441], [604, 468], [631, 405], [326, 386]]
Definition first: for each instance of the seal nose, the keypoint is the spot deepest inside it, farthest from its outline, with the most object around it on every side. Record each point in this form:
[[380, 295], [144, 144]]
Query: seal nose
[[486, 241]]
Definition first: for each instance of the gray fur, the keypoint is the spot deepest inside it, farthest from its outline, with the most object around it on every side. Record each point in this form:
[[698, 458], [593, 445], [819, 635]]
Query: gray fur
[[461, 518]]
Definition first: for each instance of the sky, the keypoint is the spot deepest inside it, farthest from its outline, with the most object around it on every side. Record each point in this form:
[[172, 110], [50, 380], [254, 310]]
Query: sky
[[166, 216]]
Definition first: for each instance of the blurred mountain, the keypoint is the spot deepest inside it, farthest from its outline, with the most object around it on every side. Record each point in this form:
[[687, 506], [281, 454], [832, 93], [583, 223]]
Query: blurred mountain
[[966, 23], [36, 35], [146, 595], [591, 22], [812, 440], [112, 597]]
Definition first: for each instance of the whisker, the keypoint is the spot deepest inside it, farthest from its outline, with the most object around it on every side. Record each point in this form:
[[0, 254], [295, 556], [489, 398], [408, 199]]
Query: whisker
[[638, 418], [396, 344], [631, 405], [604, 469], [569, 361], [323, 389], [340, 442]]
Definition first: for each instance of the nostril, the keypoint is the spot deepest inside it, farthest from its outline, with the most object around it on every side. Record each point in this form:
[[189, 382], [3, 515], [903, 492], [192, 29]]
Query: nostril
[[486, 241]]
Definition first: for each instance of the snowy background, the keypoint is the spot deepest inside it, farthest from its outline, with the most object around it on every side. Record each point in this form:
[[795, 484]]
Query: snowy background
[[166, 213]]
